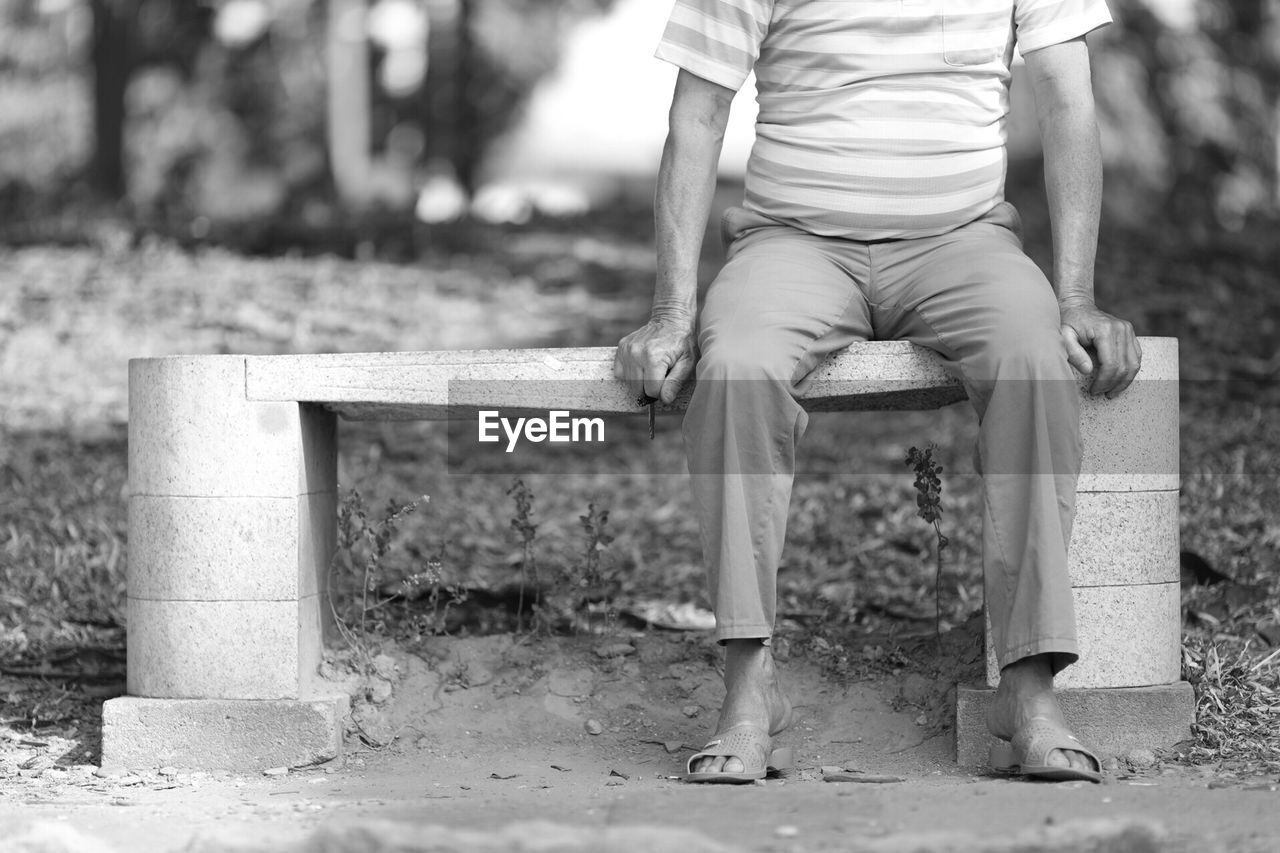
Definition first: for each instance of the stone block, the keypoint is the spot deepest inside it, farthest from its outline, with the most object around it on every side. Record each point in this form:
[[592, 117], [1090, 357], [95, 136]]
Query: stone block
[[222, 649], [1110, 721], [192, 433], [217, 549], [1129, 636], [1123, 538], [231, 549], [221, 734], [1131, 442]]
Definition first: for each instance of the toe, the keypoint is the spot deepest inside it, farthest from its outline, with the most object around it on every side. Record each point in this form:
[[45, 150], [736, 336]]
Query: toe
[[1070, 759], [1059, 758], [733, 765]]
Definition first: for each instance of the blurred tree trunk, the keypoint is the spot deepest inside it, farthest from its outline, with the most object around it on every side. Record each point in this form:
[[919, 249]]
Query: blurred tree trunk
[[349, 102], [1248, 35], [114, 22], [467, 143]]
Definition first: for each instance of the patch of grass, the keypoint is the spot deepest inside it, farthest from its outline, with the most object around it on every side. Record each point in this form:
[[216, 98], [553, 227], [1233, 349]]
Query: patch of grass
[[62, 543], [62, 582]]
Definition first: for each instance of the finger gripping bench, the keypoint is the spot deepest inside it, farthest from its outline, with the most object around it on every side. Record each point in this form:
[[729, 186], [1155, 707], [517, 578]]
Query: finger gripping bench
[[232, 513]]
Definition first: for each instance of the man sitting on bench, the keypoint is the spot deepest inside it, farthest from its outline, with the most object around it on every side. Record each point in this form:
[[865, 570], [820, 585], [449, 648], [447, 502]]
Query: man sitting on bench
[[874, 209]]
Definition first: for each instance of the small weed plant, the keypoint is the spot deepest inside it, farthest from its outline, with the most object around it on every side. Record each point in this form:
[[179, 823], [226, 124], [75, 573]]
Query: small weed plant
[[578, 585], [441, 595], [522, 523], [928, 485], [591, 580], [359, 565]]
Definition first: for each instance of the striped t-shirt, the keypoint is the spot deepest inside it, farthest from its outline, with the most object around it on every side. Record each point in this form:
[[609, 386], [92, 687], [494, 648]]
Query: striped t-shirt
[[879, 119]]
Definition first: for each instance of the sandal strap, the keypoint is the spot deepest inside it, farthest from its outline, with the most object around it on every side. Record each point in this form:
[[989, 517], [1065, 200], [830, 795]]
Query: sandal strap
[[749, 744], [1041, 736]]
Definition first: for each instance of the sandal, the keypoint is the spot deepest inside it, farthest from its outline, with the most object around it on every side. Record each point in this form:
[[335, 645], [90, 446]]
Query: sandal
[[1028, 753], [752, 745]]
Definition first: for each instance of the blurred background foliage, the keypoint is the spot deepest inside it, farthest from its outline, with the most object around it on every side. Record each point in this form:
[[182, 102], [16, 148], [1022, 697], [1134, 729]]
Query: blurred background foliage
[[182, 116], [260, 122], [1190, 93]]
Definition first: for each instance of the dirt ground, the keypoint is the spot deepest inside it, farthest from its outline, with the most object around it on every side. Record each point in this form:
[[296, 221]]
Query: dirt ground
[[576, 744]]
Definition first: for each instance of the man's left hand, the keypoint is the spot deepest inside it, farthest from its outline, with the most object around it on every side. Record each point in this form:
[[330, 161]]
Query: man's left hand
[[1116, 355]]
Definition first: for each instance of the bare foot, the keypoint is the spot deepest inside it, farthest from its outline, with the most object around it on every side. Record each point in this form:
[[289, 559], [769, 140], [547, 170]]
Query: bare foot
[[1025, 693], [752, 696]]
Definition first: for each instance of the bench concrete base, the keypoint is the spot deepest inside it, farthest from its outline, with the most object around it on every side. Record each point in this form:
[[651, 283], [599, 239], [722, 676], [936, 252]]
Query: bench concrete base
[[1110, 720], [221, 734]]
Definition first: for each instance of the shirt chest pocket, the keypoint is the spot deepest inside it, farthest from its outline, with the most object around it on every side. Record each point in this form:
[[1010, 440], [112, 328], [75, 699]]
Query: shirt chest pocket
[[975, 32]]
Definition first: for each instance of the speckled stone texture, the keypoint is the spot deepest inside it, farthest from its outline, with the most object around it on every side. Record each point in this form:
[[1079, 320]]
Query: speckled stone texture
[[872, 375], [192, 433], [223, 649], [1129, 636], [1124, 538], [215, 549], [1111, 721], [231, 529], [221, 734], [431, 385], [1131, 442]]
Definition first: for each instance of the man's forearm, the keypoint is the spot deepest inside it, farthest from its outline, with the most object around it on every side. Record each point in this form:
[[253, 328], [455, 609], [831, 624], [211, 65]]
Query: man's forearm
[[686, 184], [1073, 181], [659, 357]]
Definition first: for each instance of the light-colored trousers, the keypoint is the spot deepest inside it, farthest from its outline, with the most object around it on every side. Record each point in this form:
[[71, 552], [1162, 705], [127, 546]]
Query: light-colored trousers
[[786, 299]]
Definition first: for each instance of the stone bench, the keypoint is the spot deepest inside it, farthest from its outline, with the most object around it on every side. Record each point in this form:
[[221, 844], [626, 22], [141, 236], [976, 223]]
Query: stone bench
[[233, 497]]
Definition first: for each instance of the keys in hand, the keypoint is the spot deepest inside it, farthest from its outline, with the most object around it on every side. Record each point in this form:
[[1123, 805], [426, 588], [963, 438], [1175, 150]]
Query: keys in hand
[[645, 400]]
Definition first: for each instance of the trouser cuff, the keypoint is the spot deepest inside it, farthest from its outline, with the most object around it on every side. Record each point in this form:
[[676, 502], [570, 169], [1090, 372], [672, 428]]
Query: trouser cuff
[[744, 632], [1063, 652]]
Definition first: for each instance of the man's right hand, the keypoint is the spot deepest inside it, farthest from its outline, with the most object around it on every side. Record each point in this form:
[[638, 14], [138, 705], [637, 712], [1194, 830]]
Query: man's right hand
[[658, 358]]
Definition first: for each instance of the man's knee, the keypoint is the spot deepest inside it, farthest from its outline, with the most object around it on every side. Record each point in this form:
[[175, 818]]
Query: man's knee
[[741, 361], [1023, 353]]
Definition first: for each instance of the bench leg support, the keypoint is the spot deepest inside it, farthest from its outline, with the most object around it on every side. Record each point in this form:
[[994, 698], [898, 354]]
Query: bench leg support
[[231, 530], [1110, 720], [1125, 691], [221, 734]]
